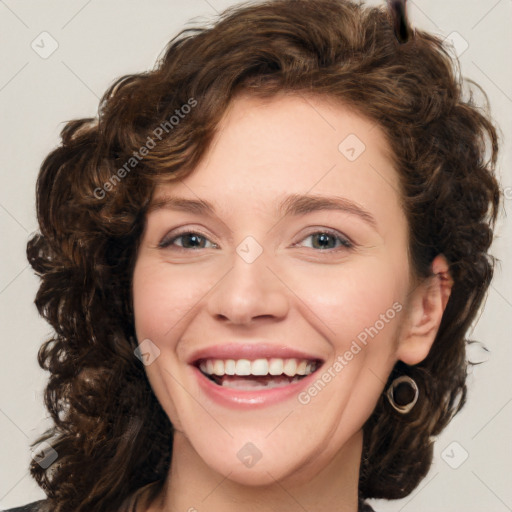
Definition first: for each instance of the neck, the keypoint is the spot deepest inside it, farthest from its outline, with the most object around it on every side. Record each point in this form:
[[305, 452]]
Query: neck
[[191, 485]]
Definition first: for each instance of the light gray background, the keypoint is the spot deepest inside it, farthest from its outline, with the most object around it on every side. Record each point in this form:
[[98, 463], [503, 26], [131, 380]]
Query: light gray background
[[99, 41]]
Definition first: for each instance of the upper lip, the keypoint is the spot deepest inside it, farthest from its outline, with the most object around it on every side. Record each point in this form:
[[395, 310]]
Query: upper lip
[[249, 351]]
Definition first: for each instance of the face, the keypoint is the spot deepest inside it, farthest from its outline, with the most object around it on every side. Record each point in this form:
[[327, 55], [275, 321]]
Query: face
[[268, 275]]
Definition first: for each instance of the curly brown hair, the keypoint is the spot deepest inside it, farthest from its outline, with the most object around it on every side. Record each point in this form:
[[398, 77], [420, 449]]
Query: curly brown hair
[[110, 432]]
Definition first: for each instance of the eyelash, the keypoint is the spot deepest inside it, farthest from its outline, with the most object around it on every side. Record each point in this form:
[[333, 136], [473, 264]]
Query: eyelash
[[344, 241]]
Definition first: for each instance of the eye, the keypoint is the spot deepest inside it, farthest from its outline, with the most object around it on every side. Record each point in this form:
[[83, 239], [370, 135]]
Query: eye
[[325, 239], [189, 240]]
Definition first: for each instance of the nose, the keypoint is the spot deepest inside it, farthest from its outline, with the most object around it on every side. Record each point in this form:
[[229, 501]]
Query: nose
[[249, 291]]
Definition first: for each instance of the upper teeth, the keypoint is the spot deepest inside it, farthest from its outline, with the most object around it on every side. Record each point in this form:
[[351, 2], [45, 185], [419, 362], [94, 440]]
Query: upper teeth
[[273, 366]]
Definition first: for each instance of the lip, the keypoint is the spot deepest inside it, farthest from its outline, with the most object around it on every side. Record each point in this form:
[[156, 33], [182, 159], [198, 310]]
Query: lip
[[250, 351], [237, 399]]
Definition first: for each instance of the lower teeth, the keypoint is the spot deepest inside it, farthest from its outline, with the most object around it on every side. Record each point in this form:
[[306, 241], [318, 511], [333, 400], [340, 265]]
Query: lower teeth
[[252, 384]]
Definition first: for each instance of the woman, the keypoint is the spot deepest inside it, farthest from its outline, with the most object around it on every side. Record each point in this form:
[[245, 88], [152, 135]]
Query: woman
[[304, 349]]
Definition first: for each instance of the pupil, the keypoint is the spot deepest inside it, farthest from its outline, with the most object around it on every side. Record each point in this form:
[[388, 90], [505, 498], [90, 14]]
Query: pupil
[[323, 237], [192, 237]]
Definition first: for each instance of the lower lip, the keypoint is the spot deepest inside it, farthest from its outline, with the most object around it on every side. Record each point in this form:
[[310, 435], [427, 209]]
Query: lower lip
[[248, 399]]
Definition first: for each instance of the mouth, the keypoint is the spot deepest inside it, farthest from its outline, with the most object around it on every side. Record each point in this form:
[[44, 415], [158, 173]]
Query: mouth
[[253, 375]]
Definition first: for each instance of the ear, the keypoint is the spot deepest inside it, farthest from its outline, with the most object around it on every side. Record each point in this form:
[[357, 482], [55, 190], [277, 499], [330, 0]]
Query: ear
[[424, 313]]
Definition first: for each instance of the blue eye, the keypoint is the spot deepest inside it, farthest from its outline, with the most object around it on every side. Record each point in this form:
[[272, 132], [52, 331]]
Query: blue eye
[[324, 240], [192, 240], [188, 237]]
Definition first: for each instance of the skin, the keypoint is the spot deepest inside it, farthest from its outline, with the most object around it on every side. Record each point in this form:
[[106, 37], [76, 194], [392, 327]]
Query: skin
[[295, 293]]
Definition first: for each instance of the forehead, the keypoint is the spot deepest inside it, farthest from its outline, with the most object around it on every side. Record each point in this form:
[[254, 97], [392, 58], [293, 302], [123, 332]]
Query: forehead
[[265, 149], [318, 122]]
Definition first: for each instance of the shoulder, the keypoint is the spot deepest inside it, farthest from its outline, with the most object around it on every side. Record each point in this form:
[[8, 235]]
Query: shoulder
[[35, 506]]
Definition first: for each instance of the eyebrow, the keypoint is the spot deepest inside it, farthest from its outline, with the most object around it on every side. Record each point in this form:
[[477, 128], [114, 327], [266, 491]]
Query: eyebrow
[[291, 205]]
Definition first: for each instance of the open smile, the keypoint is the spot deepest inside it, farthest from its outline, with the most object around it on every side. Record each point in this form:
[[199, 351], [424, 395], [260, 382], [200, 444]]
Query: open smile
[[263, 373], [246, 383]]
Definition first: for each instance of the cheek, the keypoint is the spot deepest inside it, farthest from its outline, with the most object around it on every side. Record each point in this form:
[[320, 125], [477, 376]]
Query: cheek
[[164, 295], [350, 297], [162, 299]]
